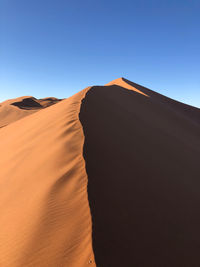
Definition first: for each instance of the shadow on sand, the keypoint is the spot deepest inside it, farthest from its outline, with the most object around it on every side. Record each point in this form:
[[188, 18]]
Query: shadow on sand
[[142, 160]]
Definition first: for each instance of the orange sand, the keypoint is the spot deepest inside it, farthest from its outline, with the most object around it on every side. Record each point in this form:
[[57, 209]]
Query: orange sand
[[141, 152], [15, 109], [45, 217]]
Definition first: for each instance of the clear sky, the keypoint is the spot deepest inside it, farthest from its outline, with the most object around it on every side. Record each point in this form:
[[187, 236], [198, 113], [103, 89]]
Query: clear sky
[[58, 47]]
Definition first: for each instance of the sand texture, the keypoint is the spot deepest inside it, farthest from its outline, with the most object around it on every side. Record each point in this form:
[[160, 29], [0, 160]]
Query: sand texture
[[142, 158], [109, 177], [15, 109], [45, 218]]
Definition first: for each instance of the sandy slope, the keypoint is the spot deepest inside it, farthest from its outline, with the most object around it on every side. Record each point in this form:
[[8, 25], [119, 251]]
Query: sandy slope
[[142, 160], [15, 109], [141, 151], [45, 217]]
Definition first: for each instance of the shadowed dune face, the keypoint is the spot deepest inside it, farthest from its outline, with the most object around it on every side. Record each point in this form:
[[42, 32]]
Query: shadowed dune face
[[142, 161], [27, 103], [184, 109]]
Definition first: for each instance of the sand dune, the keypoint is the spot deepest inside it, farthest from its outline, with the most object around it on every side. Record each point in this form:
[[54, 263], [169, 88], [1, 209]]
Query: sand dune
[[137, 152], [15, 109], [45, 218], [142, 160]]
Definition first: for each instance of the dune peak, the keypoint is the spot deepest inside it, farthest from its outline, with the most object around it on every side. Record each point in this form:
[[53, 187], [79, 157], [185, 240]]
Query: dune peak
[[122, 82]]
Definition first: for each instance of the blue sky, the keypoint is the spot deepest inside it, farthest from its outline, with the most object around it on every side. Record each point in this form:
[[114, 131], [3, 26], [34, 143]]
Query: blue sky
[[57, 47]]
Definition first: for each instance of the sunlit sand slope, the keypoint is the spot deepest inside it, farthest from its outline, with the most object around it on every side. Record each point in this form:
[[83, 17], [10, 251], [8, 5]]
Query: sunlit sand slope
[[45, 217]]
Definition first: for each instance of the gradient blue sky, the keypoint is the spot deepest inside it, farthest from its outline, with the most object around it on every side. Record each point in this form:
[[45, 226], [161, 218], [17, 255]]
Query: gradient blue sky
[[57, 47]]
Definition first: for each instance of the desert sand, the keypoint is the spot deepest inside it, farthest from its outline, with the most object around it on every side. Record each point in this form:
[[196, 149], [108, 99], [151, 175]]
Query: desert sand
[[14, 109], [45, 217], [108, 177]]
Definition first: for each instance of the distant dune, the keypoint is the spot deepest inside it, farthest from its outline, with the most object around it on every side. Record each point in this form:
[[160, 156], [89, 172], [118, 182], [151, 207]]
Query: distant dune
[[109, 177], [15, 109]]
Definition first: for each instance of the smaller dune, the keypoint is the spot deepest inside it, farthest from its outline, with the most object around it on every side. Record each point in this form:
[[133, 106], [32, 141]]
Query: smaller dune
[[14, 109], [48, 101]]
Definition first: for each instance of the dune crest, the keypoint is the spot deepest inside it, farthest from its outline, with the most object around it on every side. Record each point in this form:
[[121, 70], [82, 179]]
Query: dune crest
[[122, 82]]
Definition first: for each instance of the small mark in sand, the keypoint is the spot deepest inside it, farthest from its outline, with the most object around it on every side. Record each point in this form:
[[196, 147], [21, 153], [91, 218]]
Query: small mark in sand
[[90, 261]]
